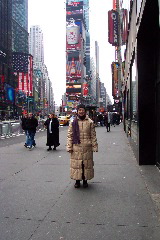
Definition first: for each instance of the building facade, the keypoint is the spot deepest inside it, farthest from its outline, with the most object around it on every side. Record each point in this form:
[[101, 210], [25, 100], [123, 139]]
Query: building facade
[[44, 99], [77, 53], [20, 26], [6, 104], [141, 82]]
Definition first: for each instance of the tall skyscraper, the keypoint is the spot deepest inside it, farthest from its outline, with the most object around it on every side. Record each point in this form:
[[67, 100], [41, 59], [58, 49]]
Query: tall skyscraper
[[5, 52], [20, 26], [36, 47]]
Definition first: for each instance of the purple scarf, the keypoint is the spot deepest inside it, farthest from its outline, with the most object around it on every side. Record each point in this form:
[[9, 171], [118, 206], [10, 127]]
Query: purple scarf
[[76, 135]]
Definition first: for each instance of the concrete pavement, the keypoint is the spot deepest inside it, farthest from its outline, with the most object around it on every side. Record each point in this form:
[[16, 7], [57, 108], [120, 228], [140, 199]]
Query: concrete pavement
[[38, 200]]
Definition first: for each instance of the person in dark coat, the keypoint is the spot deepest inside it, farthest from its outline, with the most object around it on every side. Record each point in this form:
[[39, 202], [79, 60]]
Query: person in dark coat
[[31, 125], [52, 125], [23, 125]]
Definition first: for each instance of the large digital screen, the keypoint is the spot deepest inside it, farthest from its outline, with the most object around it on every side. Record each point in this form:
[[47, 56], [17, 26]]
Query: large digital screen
[[10, 94]]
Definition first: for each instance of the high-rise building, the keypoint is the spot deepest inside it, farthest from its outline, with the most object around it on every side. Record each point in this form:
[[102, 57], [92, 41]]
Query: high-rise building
[[78, 52], [5, 56], [20, 26], [36, 47]]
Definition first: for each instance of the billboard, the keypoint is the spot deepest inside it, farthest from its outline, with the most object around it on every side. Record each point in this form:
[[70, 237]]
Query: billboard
[[73, 88], [73, 69], [73, 32], [113, 27], [114, 4], [85, 89], [73, 38], [10, 93], [74, 11]]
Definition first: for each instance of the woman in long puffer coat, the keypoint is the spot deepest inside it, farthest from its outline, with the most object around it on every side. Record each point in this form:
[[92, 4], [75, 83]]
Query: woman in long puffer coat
[[81, 143]]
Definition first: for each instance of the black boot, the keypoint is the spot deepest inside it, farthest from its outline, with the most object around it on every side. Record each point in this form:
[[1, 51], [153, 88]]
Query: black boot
[[85, 184], [54, 148], [77, 184], [49, 148]]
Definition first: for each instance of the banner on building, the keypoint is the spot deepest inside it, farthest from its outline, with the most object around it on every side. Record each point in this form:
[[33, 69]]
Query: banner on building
[[114, 69], [114, 4], [25, 79], [85, 89], [73, 69], [74, 11], [10, 93], [113, 27], [73, 88], [20, 62], [73, 32]]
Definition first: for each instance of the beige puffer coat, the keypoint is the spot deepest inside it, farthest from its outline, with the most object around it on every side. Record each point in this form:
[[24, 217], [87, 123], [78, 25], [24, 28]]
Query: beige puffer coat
[[83, 152]]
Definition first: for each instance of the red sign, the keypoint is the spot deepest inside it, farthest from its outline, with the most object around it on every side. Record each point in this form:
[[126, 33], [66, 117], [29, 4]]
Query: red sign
[[114, 4], [85, 89], [73, 3], [113, 27]]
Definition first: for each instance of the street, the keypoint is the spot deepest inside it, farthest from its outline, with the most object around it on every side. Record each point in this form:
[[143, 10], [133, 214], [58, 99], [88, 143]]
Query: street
[[38, 200]]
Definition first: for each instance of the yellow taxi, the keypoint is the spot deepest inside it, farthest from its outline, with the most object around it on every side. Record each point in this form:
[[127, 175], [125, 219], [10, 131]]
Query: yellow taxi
[[64, 120]]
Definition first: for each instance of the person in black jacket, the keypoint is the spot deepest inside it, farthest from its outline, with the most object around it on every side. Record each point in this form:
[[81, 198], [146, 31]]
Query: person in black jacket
[[23, 125], [52, 125], [31, 125]]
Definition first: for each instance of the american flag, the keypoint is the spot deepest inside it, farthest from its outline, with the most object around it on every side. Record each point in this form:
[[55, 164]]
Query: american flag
[[20, 62], [25, 79]]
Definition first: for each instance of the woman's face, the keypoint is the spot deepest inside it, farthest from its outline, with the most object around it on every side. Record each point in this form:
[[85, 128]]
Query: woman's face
[[81, 112], [51, 116]]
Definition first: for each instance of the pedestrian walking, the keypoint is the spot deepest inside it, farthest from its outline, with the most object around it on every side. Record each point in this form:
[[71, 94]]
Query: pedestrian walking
[[24, 127], [81, 143], [52, 125], [31, 125], [108, 121]]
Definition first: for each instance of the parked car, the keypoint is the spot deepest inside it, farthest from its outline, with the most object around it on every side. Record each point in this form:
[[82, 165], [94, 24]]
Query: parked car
[[64, 120]]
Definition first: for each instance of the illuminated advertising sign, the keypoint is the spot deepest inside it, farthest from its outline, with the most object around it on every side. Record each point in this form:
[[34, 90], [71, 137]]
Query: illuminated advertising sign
[[72, 34], [74, 5], [78, 23], [10, 93], [73, 98], [114, 4], [73, 69], [85, 89], [75, 12], [73, 88], [113, 27]]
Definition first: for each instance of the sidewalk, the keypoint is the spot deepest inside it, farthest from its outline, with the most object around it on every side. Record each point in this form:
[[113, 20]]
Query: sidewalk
[[38, 200]]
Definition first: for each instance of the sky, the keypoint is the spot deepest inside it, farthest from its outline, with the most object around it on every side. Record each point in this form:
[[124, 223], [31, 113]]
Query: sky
[[50, 16]]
